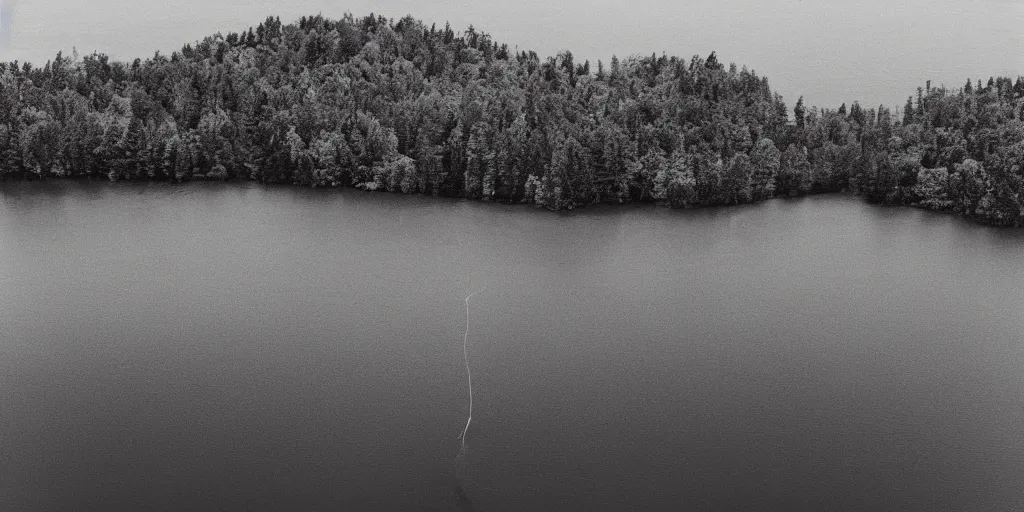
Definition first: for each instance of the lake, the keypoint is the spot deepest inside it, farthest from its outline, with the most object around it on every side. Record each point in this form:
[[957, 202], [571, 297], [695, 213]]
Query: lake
[[241, 347]]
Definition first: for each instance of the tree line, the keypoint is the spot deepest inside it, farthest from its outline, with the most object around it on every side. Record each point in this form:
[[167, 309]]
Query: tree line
[[390, 105]]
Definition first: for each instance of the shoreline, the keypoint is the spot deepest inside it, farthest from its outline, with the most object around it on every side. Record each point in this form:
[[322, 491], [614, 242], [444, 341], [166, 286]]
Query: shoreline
[[593, 207]]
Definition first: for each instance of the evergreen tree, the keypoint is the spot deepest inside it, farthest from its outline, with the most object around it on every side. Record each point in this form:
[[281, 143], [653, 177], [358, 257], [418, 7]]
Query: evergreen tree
[[397, 106], [798, 111]]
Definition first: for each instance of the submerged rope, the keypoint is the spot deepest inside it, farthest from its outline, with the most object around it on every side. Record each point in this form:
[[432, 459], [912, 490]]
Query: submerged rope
[[469, 375]]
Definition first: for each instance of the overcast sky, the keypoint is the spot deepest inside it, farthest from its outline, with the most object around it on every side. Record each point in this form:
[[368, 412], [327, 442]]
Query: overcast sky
[[830, 51]]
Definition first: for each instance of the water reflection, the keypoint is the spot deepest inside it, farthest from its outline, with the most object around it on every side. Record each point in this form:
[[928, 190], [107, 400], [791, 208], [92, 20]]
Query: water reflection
[[237, 347]]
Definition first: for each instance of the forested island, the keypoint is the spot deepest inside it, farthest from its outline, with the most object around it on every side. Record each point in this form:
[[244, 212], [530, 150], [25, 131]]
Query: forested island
[[400, 106]]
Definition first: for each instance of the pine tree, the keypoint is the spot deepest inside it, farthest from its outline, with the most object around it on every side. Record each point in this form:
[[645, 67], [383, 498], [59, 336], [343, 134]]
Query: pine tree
[[799, 112]]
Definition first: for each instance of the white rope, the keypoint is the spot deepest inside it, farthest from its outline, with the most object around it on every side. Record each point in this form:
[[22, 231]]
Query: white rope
[[469, 375]]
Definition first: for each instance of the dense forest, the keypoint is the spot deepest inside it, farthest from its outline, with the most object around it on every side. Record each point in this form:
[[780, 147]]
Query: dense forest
[[399, 106]]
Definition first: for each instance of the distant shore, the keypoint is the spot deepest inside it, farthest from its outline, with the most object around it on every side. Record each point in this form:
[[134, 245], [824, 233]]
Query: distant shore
[[400, 106]]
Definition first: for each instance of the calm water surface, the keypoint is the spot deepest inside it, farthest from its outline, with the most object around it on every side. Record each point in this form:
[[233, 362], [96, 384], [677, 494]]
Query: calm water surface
[[239, 347]]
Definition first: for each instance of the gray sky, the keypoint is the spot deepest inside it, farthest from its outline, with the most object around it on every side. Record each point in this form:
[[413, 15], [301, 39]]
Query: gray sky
[[830, 51]]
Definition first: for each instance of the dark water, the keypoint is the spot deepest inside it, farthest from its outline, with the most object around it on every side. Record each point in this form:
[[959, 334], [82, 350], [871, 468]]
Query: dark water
[[238, 347]]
